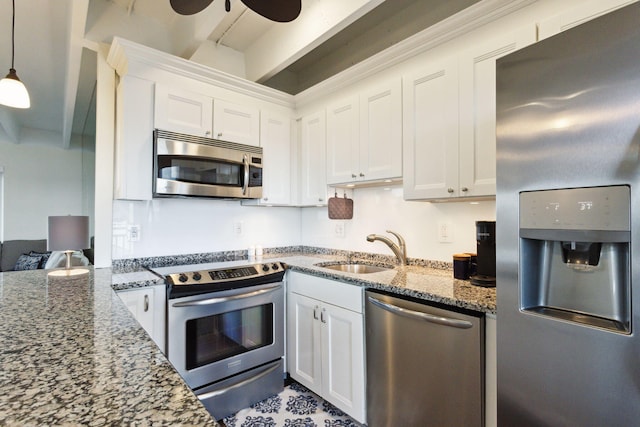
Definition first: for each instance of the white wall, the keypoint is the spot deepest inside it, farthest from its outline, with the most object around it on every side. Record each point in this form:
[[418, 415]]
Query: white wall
[[40, 179], [185, 226], [377, 210]]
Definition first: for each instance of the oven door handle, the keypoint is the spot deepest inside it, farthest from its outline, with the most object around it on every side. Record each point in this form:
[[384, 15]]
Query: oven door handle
[[239, 384], [211, 301]]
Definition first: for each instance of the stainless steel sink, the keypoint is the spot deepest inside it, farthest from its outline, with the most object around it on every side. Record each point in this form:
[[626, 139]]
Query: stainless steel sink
[[357, 268]]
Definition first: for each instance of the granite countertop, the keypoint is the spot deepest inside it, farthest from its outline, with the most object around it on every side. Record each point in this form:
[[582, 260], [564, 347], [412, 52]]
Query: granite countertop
[[429, 284], [71, 354], [426, 283]]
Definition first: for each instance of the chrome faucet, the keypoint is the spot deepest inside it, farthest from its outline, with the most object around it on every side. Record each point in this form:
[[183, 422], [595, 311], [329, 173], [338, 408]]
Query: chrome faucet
[[399, 251]]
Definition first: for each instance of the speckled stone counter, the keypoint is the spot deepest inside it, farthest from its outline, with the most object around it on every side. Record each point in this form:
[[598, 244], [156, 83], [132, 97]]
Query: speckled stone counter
[[71, 354], [426, 280], [430, 284]]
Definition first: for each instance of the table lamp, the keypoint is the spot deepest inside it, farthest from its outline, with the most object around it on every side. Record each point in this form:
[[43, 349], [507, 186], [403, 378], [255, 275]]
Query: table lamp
[[67, 234]]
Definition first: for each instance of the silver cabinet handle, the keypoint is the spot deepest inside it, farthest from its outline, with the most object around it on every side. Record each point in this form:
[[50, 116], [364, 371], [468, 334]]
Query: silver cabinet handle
[[207, 133], [320, 199], [353, 175], [146, 303], [450, 190], [462, 324], [210, 301], [219, 134], [322, 318], [224, 390], [361, 175], [464, 189], [315, 312]]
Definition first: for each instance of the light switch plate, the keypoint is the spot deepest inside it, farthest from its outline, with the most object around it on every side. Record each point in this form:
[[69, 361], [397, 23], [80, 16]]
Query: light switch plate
[[445, 232], [134, 233]]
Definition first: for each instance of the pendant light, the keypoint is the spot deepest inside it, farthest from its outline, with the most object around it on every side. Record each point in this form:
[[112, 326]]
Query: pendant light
[[13, 93]]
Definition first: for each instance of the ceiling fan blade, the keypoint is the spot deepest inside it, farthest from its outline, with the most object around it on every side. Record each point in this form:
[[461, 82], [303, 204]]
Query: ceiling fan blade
[[189, 7], [276, 10]]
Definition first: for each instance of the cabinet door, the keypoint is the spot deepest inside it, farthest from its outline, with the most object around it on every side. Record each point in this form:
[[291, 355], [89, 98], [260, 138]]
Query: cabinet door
[[236, 123], [182, 111], [148, 307], [381, 132], [313, 180], [343, 139], [430, 131], [478, 112], [134, 139], [343, 360], [140, 303], [303, 341], [275, 138]]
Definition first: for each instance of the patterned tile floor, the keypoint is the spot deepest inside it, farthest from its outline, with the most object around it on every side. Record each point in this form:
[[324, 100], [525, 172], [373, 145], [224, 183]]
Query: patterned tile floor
[[296, 406]]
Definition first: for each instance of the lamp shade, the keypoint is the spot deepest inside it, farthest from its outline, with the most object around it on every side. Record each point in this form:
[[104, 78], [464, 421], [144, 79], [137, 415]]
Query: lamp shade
[[13, 93], [68, 232]]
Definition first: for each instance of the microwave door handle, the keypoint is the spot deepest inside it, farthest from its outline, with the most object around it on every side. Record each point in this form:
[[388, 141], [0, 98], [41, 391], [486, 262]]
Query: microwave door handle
[[245, 184]]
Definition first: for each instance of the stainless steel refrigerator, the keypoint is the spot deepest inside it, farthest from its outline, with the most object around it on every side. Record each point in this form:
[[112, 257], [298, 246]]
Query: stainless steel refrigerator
[[568, 227]]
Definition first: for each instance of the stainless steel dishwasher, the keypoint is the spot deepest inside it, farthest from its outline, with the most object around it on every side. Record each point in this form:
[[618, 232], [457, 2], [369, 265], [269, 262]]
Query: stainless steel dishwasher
[[425, 364]]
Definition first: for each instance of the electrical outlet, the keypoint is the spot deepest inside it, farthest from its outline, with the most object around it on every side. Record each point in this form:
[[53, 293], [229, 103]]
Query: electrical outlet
[[134, 233], [445, 232], [339, 229], [238, 228]]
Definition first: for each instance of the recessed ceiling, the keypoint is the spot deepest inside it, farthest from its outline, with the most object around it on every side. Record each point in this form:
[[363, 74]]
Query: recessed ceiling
[[384, 26]]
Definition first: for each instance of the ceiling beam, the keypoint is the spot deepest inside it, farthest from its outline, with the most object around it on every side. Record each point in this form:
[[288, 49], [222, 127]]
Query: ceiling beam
[[75, 35], [286, 43]]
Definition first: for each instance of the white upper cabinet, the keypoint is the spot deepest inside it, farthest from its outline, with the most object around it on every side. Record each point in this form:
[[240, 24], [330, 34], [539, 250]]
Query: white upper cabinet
[[134, 139], [275, 137], [343, 141], [364, 135], [312, 164], [430, 130], [236, 123], [477, 155], [449, 122], [381, 131], [182, 111]]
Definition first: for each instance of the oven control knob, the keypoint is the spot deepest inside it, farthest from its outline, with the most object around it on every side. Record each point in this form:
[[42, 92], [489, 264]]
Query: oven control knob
[[265, 267], [275, 266], [197, 276], [183, 277]]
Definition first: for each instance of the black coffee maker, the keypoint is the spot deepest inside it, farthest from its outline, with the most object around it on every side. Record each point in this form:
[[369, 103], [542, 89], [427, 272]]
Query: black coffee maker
[[486, 254]]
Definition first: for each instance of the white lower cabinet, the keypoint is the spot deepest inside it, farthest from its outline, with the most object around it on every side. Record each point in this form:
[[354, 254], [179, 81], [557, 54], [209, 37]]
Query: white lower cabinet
[[148, 307], [325, 340]]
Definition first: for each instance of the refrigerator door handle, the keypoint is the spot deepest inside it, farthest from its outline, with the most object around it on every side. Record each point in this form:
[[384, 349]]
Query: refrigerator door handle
[[461, 324]]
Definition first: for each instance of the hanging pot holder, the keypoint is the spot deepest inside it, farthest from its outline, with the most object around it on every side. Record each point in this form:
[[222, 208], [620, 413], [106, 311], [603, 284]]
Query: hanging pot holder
[[340, 207]]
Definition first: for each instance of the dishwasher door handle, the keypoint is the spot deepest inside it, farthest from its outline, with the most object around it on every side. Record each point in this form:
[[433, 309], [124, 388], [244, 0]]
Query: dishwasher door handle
[[461, 324]]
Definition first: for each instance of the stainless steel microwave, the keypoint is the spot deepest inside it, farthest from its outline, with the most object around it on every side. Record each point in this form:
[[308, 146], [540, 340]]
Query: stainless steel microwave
[[194, 166]]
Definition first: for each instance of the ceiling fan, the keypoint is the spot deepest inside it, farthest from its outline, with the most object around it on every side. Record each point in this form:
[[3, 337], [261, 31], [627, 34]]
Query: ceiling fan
[[275, 10]]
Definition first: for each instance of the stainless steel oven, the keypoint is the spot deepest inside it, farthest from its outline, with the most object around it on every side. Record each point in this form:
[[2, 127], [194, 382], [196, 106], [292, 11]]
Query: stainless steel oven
[[225, 332]]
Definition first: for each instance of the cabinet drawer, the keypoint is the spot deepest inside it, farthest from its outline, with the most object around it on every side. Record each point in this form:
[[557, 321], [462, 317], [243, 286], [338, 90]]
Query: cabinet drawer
[[329, 291]]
